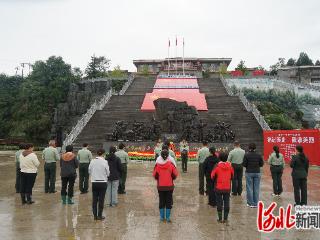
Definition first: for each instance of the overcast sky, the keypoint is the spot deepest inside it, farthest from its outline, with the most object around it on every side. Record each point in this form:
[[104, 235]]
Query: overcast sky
[[257, 31]]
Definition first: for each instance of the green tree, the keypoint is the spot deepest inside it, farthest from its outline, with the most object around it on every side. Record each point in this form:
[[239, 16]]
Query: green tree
[[145, 70], [317, 63], [304, 60], [97, 67], [274, 68], [77, 73], [241, 67], [9, 90], [39, 94], [260, 67], [117, 72], [223, 69], [291, 62]]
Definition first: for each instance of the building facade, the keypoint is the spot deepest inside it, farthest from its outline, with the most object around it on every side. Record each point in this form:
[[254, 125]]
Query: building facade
[[190, 65], [302, 74]]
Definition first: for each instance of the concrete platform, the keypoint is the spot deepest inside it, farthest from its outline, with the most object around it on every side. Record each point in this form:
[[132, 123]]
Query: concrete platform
[[136, 216]]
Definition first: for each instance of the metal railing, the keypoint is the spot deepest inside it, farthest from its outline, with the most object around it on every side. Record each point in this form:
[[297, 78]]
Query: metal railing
[[226, 86], [77, 129], [97, 105], [247, 104], [126, 85], [252, 108]]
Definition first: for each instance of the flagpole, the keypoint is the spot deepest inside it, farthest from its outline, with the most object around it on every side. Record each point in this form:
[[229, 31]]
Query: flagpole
[[176, 56], [183, 57], [168, 57]]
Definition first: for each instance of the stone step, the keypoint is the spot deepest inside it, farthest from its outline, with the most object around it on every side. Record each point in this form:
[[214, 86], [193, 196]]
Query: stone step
[[222, 107]]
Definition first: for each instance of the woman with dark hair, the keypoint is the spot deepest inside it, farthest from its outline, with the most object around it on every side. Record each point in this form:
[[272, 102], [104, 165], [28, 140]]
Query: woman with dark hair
[[170, 158], [115, 168], [223, 174], [276, 168], [29, 167], [208, 166], [252, 161], [165, 172], [68, 164], [300, 167]]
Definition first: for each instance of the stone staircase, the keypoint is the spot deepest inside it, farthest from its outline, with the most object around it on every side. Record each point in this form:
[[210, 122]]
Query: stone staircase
[[123, 107], [229, 109], [222, 107]]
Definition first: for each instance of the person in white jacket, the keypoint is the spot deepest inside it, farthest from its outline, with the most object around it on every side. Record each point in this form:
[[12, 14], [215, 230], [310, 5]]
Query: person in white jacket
[[29, 167], [99, 172]]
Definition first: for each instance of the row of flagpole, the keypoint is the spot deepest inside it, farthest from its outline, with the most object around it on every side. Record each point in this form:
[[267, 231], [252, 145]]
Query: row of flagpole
[[176, 56]]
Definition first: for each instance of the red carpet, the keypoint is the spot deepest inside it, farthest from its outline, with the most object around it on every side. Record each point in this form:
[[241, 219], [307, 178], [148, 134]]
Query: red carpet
[[179, 89], [192, 96]]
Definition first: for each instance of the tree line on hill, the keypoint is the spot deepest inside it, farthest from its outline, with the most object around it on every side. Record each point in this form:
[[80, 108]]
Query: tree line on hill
[[303, 60], [27, 104]]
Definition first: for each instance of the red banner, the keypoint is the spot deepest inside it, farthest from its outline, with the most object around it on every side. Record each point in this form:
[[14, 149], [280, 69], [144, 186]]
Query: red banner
[[258, 73], [287, 140], [236, 73]]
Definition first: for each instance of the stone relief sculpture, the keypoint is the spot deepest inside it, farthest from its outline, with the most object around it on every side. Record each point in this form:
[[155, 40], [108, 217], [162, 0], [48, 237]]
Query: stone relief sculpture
[[174, 118]]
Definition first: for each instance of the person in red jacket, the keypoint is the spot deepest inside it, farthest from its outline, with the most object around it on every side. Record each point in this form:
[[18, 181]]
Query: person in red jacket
[[165, 172], [222, 175]]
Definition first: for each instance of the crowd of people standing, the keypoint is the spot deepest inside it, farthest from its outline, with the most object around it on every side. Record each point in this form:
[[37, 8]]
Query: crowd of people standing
[[108, 174], [222, 172]]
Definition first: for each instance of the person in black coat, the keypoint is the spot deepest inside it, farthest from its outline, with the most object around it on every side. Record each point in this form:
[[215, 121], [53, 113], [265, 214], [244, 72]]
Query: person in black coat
[[115, 168], [208, 166], [300, 167]]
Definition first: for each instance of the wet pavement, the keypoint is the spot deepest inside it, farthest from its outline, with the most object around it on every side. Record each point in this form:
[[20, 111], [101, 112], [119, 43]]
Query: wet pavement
[[137, 216]]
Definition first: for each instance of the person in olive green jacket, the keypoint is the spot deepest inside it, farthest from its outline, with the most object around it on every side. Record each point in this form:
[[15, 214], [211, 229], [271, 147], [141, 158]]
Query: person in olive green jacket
[[50, 156], [84, 157], [18, 173], [300, 168], [124, 158], [235, 157], [276, 162], [202, 154]]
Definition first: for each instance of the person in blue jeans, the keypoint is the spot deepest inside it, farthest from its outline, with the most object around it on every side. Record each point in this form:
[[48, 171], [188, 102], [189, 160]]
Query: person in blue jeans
[[115, 168], [252, 161]]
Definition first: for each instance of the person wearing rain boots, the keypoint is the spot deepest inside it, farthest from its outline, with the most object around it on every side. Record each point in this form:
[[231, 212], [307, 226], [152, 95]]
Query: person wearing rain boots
[[99, 172], [68, 164], [165, 172], [223, 174], [29, 167]]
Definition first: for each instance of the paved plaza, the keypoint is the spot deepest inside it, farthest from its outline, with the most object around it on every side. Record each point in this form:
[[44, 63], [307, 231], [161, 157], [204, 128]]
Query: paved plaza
[[136, 216]]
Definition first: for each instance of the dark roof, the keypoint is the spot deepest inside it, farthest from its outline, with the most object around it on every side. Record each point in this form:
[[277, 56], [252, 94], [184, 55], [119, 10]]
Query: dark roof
[[207, 60]]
